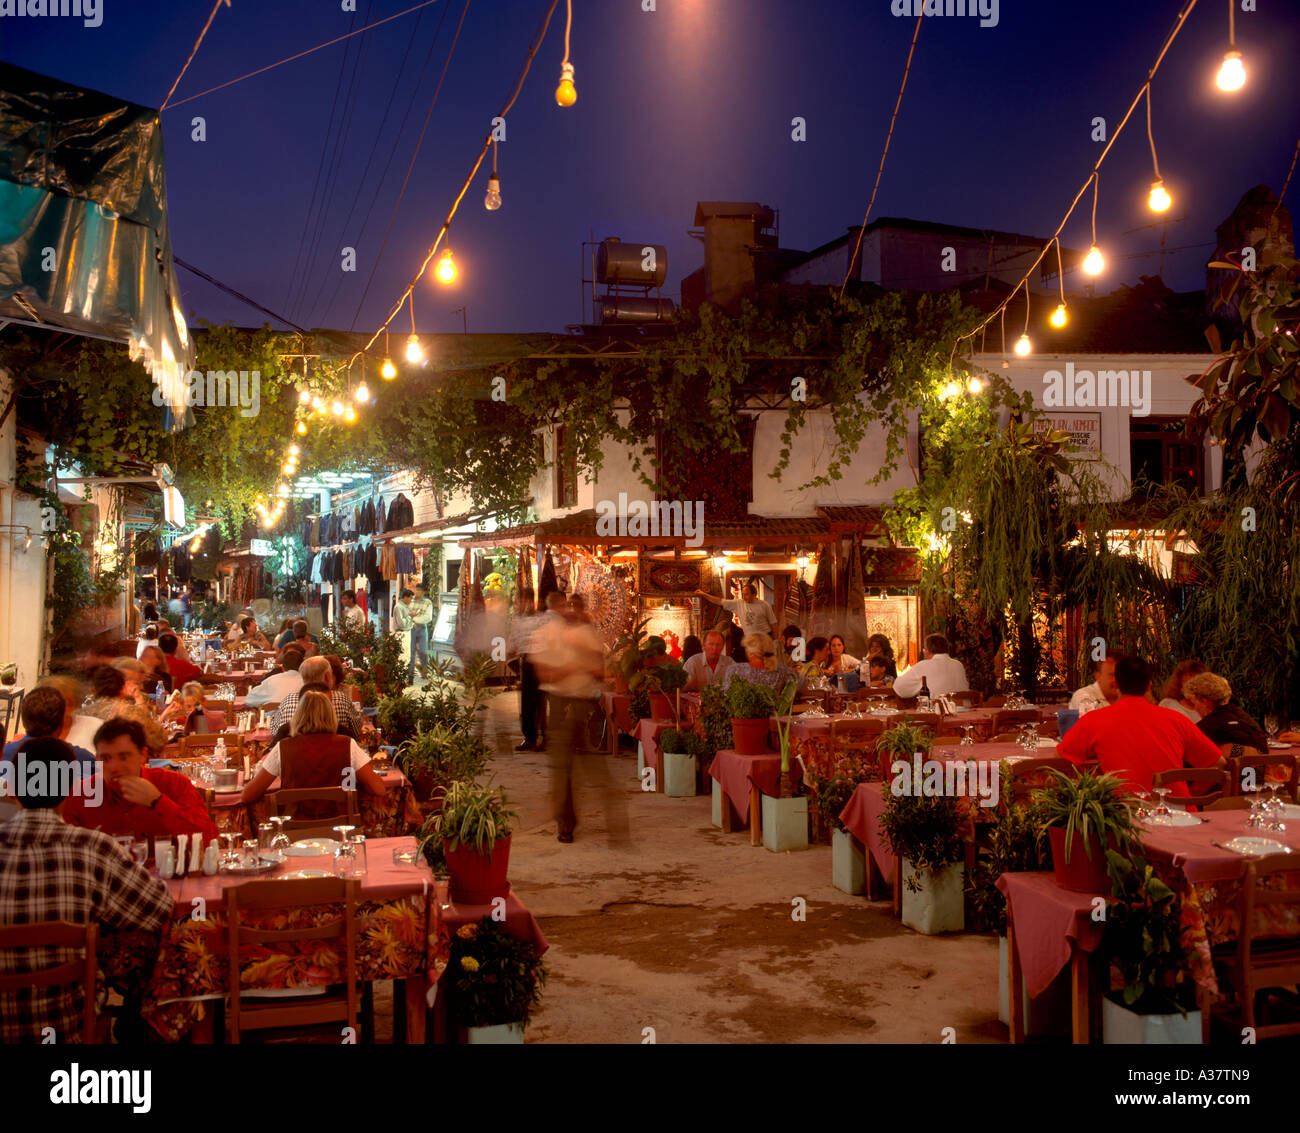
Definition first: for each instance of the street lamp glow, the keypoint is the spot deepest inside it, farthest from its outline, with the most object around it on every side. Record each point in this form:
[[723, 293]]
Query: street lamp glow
[[1232, 72], [338, 408], [1023, 345], [304, 397], [302, 428], [951, 390], [446, 270], [1094, 263], [974, 385], [1159, 200]]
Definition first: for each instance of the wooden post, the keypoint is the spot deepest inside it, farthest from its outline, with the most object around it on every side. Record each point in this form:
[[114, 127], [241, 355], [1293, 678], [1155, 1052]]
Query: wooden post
[[1015, 998]]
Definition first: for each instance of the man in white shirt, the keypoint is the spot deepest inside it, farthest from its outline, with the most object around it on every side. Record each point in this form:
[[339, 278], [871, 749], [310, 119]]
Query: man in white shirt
[[1101, 692], [753, 614], [279, 685], [943, 674], [709, 667], [354, 617]]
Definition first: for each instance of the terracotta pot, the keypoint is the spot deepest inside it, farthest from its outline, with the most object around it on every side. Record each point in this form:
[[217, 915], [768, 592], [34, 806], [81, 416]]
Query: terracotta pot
[[661, 706], [1083, 874], [477, 878], [750, 736]]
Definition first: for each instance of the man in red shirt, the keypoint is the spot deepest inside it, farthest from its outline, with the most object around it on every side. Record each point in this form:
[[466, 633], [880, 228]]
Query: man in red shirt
[[180, 669], [140, 800], [1133, 738]]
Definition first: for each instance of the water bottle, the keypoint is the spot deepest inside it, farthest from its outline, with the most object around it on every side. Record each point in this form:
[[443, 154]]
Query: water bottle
[[219, 754], [159, 697]]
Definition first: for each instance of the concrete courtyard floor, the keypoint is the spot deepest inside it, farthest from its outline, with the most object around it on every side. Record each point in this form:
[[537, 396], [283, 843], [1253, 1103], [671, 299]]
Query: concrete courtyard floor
[[690, 932]]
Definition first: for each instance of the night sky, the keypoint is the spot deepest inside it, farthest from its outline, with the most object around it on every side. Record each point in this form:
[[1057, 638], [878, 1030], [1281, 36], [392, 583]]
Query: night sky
[[690, 102]]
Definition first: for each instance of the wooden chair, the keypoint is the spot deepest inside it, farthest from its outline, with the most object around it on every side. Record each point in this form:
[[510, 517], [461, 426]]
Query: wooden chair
[[286, 802], [855, 736], [1232, 802], [307, 1010], [1216, 778], [1028, 775], [225, 706], [966, 696], [1241, 757], [1253, 965], [921, 720], [11, 709], [1014, 717], [57, 934], [200, 747]]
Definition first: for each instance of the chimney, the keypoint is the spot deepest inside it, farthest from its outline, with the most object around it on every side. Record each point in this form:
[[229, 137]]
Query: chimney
[[731, 234]]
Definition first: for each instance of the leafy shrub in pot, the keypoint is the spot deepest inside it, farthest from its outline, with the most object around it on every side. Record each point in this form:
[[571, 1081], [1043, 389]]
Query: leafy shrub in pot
[[1090, 812]]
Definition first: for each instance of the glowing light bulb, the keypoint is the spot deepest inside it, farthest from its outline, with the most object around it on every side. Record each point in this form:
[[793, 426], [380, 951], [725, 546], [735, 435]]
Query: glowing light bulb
[[1023, 345], [304, 397], [492, 199], [974, 385], [446, 270], [349, 415], [1094, 263], [338, 408], [1232, 72], [288, 468], [282, 490], [316, 402], [414, 352], [566, 94], [952, 389], [294, 450], [388, 370], [363, 393], [1159, 200], [1059, 316]]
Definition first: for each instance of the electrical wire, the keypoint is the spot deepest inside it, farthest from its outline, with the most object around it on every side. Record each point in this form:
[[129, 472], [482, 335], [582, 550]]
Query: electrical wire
[[1287, 183], [301, 54], [857, 249], [193, 52], [236, 294]]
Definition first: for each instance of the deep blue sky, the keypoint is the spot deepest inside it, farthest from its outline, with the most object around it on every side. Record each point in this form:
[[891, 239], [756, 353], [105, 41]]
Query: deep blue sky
[[691, 102]]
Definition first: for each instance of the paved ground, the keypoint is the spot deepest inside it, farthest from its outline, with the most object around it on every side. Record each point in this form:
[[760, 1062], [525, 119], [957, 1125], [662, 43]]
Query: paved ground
[[691, 932]]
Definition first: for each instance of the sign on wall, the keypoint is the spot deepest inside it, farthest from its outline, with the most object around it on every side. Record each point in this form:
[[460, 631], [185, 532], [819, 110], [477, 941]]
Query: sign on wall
[[1084, 430]]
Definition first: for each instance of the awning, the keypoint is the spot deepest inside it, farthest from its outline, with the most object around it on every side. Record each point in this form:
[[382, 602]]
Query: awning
[[84, 243]]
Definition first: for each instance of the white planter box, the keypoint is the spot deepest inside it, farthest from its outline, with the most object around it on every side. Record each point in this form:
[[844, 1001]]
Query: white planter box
[[848, 862], [502, 1034], [1120, 1026], [640, 762], [940, 906], [718, 803], [785, 824], [679, 774], [1047, 1014]]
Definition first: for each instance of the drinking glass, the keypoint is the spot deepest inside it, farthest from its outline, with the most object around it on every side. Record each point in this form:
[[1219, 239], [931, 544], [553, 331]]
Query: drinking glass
[[125, 841], [248, 855], [230, 849], [345, 859], [1162, 810], [280, 842], [140, 852], [968, 735], [1271, 726], [265, 833], [406, 855], [344, 832], [1256, 816]]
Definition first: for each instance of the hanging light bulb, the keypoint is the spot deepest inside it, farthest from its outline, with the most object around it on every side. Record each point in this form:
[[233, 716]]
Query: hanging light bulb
[[951, 390], [289, 467], [414, 352], [1059, 316], [282, 490], [1094, 263], [363, 393], [304, 397], [446, 270], [349, 415], [566, 94], [295, 451], [338, 408], [974, 385], [316, 402], [388, 371], [492, 199], [1023, 345], [1159, 200], [1232, 72]]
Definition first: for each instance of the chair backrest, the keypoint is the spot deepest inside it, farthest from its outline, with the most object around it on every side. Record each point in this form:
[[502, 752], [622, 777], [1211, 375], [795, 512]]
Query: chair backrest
[[57, 934], [1013, 716], [1241, 757], [1255, 895], [1216, 778], [227, 707], [921, 719], [269, 896], [965, 696], [1231, 802], [200, 746], [1028, 775], [344, 803]]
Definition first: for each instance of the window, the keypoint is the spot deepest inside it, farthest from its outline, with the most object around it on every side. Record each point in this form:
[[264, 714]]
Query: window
[[1161, 454], [566, 469]]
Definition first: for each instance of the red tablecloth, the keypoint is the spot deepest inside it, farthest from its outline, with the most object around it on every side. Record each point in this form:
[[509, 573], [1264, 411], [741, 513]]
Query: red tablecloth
[[862, 819], [519, 921], [1201, 862], [952, 749], [618, 707], [737, 773], [1047, 920], [648, 733]]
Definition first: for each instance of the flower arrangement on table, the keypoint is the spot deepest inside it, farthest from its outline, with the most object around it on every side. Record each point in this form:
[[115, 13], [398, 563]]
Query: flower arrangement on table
[[492, 976]]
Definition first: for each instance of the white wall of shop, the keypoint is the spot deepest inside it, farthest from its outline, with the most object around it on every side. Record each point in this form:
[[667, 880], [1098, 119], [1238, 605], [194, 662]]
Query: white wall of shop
[[1171, 395], [22, 572]]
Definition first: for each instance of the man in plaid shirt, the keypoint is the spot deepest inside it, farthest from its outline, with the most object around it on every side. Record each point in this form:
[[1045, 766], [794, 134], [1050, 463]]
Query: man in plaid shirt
[[317, 671], [50, 871]]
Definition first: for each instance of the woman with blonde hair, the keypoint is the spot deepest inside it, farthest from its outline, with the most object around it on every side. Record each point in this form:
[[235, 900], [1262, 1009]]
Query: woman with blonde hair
[[313, 755], [189, 707], [1222, 720]]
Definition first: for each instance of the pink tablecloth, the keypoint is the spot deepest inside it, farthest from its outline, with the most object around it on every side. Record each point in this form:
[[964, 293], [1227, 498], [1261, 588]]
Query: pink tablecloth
[[862, 819], [1047, 919], [1191, 850], [618, 707], [647, 733], [737, 773], [952, 749], [519, 922]]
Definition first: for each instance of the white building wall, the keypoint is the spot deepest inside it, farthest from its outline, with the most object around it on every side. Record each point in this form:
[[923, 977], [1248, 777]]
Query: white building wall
[[22, 572]]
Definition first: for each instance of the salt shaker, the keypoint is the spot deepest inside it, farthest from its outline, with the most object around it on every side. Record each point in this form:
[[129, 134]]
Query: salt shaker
[[211, 859]]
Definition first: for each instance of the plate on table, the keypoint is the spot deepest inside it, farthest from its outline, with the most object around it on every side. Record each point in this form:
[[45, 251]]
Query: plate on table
[[1173, 818], [312, 848], [265, 864], [1278, 744], [300, 874], [1255, 847]]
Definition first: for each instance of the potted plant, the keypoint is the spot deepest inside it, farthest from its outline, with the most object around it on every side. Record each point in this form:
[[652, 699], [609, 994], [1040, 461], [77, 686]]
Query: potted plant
[[494, 982], [830, 794], [436, 758], [9, 673], [751, 707], [627, 654], [681, 751], [474, 825], [1086, 816], [924, 833], [661, 682], [902, 741], [1143, 939], [785, 817]]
